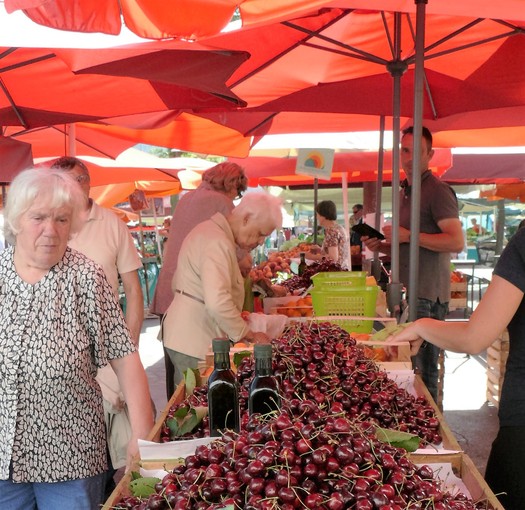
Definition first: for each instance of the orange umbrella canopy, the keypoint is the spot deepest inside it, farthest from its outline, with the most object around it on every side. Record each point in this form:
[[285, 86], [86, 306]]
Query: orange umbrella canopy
[[195, 19], [38, 88]]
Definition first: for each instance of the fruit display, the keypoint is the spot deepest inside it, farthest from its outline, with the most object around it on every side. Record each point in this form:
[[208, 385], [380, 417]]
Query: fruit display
[[457, 277], [458, 287], [298, 307], [321, 450], [269, 269], [278, 263], [320, 365], [298, 283], [318, 461]]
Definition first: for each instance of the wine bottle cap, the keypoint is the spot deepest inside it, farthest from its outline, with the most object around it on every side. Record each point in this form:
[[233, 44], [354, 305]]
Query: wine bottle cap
[[221, 345], [262, 350]]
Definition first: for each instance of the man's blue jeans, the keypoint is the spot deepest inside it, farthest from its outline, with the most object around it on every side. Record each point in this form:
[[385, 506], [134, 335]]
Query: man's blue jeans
[[426, 360]]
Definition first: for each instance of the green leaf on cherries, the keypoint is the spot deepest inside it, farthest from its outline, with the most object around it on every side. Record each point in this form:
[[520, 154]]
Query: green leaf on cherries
[[239, 356], [405, 440], [227, 507], [144, 486], [186, 419], [193, 419], [192, 379]]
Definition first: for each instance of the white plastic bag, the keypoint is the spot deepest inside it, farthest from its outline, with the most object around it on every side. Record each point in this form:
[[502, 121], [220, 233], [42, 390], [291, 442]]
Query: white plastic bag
[[272, 325]]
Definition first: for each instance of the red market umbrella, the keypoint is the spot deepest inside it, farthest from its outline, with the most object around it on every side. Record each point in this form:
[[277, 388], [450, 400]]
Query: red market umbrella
[[37, 87], [195, 19], [340, 61], [15, 156], [486, 168]]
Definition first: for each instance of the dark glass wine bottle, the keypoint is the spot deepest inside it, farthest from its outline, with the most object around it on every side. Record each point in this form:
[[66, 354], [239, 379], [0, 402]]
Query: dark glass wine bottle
[[223, 391], [264, 389], [302, 264]]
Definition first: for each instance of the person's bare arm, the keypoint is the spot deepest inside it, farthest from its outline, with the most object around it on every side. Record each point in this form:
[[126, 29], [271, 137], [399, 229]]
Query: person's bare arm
[[333, 253], [134, 304], [491, 317], [134, 384], [449, 240]]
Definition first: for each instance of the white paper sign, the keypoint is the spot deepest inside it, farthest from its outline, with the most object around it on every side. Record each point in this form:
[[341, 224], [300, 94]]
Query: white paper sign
[[315, 163]]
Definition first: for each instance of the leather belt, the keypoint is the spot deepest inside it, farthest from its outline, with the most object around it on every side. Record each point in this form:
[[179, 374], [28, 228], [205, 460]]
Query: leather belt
[[178, 291]]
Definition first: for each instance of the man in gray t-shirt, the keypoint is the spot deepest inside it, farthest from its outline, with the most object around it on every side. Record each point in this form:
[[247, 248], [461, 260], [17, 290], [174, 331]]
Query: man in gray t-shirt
[[440, 234]]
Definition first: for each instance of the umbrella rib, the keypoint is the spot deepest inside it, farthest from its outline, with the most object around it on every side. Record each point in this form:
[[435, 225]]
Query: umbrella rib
[[16, 66], [358, 54], [290, 48], [12, 103], [25, 62], [318, 35], [471, 45], [262, 123], [515, 31]]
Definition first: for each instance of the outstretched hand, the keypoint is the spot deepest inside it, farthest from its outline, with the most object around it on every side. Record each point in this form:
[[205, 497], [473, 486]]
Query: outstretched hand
[[409, 334]]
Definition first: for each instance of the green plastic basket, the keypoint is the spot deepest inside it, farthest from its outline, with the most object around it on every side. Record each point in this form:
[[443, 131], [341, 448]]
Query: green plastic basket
[[350, 301], [330, 279]]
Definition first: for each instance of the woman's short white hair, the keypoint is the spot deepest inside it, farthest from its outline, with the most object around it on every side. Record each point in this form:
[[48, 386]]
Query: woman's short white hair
[[263, 207], [59, 188]]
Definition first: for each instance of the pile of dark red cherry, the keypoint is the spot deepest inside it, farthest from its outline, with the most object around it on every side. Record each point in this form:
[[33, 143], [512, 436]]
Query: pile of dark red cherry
[[320, 451], [301, 282]]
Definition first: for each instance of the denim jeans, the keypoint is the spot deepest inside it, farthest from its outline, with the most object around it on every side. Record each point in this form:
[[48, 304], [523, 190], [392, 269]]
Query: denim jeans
[[82, 494], [426, 360]]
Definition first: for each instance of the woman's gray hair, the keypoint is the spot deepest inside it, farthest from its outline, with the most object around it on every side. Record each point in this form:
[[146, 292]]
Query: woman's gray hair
[[58, 186], [263, 207]]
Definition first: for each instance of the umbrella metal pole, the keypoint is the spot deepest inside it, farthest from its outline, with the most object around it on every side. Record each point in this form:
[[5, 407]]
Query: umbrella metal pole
[[316, 187], [157, 239], [415, 204], [344, 183], [376, 263], [71, 140], [397, 68]]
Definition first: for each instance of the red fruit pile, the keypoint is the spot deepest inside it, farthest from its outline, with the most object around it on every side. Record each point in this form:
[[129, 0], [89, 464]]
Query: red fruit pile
[[304, 281], [319, 366], [286, 463]]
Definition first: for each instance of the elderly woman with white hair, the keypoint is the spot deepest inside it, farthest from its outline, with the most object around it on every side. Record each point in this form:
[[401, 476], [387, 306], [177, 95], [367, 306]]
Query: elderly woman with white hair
[[59, 322], [208, 285]]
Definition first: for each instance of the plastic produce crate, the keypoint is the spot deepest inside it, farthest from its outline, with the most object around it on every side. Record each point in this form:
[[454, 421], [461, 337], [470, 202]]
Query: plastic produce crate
[[330, 279], [350, 301]]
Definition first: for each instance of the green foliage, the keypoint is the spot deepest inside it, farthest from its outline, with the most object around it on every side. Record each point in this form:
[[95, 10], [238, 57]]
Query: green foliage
[[239, 356], [409, 442], [143, 487], [192, 379], [186, 419]]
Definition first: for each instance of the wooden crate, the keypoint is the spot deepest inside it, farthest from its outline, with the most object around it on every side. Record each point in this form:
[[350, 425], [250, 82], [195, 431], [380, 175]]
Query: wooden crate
[[461, 463], [449, 441], [458, 301], [497, 355], [465, 469]]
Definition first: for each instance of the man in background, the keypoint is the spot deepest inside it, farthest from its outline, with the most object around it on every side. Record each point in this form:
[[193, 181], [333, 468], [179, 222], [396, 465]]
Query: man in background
[[355, 219], [440, 235], [106, 240]]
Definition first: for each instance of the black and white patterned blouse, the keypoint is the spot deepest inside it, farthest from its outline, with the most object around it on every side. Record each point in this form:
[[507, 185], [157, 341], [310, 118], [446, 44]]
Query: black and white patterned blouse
[[53, 337]]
